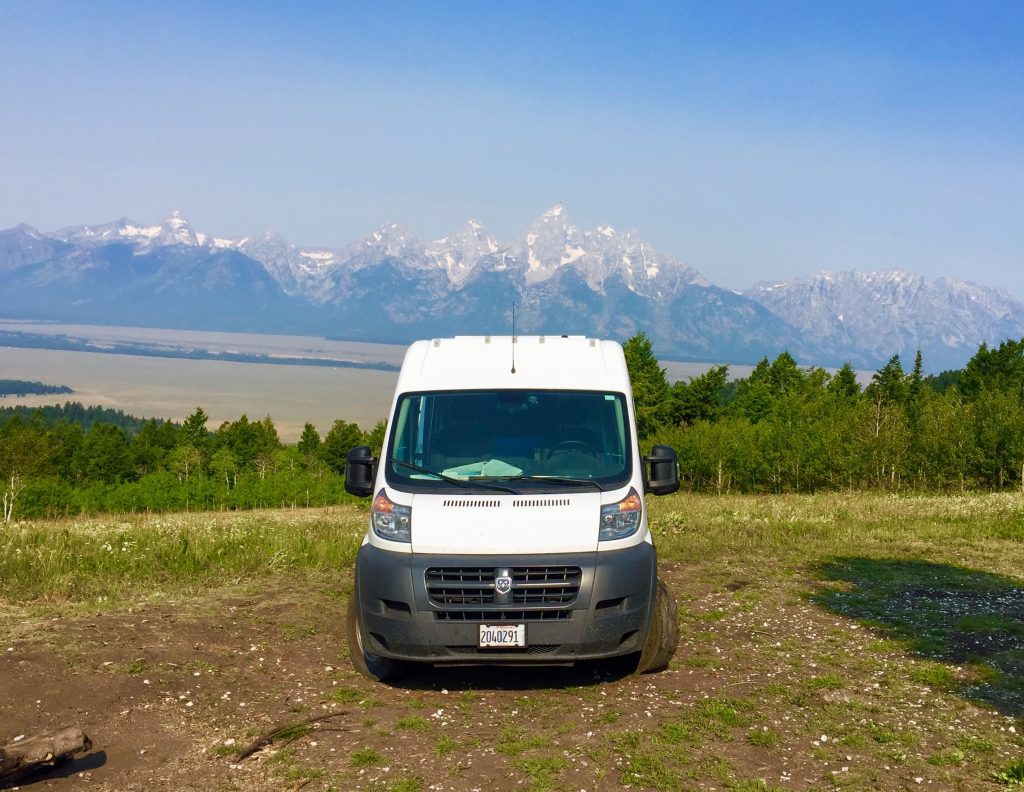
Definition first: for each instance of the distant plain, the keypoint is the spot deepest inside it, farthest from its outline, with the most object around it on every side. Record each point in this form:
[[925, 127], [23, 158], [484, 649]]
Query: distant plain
[[172, 388]]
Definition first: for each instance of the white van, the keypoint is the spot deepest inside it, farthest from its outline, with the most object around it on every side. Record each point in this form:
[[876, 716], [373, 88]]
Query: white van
[[508, 522]]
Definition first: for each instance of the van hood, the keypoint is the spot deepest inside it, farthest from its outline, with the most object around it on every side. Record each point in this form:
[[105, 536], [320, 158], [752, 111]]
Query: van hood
[[506, 524]]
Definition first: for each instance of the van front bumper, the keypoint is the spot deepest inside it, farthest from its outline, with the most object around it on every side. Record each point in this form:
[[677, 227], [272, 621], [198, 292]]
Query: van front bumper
[[575, 606]]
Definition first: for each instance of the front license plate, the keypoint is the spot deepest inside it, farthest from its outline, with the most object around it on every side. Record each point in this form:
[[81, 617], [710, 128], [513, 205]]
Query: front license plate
[[508, 635]]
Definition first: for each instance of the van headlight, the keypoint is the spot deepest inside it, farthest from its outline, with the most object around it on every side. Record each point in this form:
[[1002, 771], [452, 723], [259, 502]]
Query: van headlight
[[622, 519], [390, 520]]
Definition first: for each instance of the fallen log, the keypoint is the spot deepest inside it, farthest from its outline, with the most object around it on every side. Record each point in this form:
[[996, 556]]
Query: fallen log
[[34, 753]]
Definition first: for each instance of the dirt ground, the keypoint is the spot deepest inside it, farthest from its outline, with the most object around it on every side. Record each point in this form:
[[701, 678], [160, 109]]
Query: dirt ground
[[169, 692]]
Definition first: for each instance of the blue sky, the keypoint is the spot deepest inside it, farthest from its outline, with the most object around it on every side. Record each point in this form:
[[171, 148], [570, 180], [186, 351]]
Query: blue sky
[[754, 140]]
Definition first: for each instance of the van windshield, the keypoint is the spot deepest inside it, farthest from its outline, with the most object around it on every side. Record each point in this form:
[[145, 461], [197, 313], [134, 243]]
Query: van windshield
[[530, 436]]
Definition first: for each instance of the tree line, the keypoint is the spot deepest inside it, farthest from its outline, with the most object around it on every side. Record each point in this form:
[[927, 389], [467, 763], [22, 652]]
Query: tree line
[[782, 429], [63, 461], [791, 429], [15, 387], [73, 412]]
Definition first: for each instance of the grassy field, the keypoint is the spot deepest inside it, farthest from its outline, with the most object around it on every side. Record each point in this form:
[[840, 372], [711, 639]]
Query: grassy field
[[840, 641]]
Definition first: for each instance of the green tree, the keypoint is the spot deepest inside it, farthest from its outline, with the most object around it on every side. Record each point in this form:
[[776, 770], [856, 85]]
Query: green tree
[[151, 445], [341, 439], [769, 383], [843, 383], [224, 466], [943, 444], [104, 455], [375, 437], [995, 369], [23, 454], [998, 437], [245, 439], [267, 433], [753, 399], [65, 439], [915, 381], [194, 432], [650, 385], [882, 443], [185, 461], [309, 443], [700, 399], [785, 376], [889, 384]]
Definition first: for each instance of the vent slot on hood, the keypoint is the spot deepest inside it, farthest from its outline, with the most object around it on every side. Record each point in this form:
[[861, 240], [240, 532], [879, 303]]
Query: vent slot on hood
[[532, 503], [474, 503]]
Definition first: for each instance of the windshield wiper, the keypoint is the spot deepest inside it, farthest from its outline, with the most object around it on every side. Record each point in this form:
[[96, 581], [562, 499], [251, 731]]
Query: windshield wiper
[[555, 480], [450, 479]]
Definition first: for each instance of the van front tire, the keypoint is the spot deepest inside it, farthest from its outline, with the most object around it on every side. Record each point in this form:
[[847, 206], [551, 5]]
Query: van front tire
[[371, 666], [663, 634]]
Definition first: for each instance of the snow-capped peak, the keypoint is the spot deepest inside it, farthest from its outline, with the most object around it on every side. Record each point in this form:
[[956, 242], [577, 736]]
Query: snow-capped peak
[[391, 238], [555, 211], [458, 253], [175, 230], [176, 220]]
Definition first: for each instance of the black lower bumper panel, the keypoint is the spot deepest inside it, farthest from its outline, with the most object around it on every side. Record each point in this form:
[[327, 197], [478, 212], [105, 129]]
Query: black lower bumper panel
[[576, 606]]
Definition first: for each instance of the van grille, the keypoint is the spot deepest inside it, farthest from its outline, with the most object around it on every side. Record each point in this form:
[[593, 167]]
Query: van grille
[[532, 587]]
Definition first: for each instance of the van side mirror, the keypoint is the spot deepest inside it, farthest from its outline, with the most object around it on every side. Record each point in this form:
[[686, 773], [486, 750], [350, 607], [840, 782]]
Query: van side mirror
[[359, 471], [664, 477]]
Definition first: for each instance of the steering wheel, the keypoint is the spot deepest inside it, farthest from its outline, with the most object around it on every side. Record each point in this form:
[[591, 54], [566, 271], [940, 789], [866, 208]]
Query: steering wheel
[[573, 447]]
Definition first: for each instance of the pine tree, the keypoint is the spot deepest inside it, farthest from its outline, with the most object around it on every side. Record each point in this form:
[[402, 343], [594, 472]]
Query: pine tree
[[194, 432], [843, 383], [753, 394], [915, 381], [650, 385], [341, 439], [995, 369], [375, 437], [104, 455], [785, 376], [889, 384], [309, 443], [701, 399]]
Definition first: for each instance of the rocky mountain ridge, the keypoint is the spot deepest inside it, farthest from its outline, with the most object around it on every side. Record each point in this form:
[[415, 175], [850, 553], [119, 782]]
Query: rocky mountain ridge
[[880, 313], [391, 286]]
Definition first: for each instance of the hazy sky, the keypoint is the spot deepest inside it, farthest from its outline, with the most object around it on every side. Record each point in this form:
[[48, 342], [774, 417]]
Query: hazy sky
[[753, 140]]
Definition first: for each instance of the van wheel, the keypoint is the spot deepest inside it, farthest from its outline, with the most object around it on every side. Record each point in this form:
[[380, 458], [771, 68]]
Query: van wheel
[[375, 667], [663, 634]]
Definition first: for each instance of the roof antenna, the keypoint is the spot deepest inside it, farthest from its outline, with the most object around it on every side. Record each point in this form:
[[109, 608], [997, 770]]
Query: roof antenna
[[513, 336]]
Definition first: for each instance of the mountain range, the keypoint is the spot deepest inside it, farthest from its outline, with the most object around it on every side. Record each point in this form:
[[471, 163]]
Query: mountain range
[[390, 286]]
